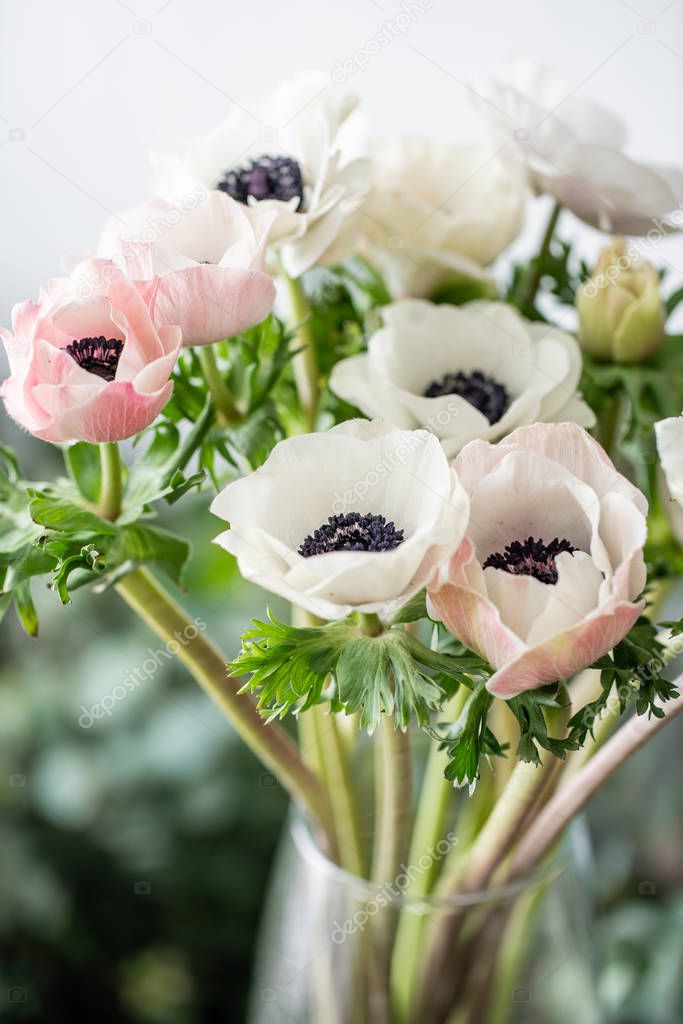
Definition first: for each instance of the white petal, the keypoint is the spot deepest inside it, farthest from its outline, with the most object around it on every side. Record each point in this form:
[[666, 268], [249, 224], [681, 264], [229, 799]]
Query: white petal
[[670, 447]]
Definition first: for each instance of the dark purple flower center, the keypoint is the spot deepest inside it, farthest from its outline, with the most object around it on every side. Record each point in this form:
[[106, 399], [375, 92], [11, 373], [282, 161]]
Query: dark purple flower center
[[97, 355], [269, 177], [352, 532], [531, 558], [484, 393]]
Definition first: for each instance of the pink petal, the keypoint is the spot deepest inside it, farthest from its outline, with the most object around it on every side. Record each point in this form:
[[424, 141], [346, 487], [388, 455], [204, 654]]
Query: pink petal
[[212, 303], [564, 655], [470, 616], [117, 412]]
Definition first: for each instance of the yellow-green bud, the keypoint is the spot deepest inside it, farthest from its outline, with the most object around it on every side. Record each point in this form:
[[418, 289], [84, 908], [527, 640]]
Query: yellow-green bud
[[621, 313]]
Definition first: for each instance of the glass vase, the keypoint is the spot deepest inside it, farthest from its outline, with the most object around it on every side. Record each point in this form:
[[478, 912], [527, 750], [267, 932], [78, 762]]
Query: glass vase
[[333, 948]]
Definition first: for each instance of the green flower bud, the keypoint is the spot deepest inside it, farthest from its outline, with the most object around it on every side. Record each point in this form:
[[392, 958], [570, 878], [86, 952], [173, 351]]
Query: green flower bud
[[621, 313]]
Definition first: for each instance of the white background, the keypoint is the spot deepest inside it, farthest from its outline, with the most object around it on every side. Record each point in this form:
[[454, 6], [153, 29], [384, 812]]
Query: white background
[[86, 84]]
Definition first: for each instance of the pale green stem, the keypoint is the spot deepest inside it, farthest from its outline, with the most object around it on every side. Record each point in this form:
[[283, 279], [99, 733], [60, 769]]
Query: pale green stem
[[309, 728], [524, 787], [269, 742], [222, 399], [305, 363], [342, 797], [393, 803], [322, 747], [501, 829], [513, 953], [504, 726], [370, 624], [474, 812], [535, 274], [493, 843], [393, 783], [434, 804], [111, 486]]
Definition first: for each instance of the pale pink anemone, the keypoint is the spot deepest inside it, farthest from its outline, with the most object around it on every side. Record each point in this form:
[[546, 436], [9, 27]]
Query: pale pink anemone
[[199, 263], [547, 482], [93, 369]]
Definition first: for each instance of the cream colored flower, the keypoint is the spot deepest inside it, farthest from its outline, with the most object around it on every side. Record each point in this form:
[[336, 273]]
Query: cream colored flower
[[357, 518], [438, 214], [464, 372]]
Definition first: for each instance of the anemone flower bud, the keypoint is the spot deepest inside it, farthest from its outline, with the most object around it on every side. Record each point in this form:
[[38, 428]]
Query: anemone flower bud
[[621, 313]]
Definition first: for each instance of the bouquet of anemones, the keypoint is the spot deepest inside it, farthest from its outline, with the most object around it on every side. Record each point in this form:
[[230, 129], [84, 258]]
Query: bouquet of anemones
[[465, 479]]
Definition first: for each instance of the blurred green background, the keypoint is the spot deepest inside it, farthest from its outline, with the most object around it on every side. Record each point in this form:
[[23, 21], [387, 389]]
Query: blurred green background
[[134, 849]]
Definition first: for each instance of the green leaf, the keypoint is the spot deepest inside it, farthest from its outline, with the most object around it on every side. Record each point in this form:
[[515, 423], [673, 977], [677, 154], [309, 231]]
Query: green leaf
[[85, 468], [528, 709], [54, 512], [674, 301], [468, 739], [289, 666], [248, 444], [137, 544], [365, 285], [465, 289], [17, 529], [87, 559], [380, 675], [413, 611], [25, 609], [158, 473], [364, 680]]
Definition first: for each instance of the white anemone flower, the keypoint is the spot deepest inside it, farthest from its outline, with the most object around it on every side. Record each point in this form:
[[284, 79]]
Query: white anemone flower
[[357, 518], [300, 153], [574, 150], [464, 372], [439, 214]]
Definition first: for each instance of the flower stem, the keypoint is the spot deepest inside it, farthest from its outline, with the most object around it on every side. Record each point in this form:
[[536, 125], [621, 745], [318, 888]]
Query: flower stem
[[436, 797], [111, 486], [370, 624], [322, 748], [571, 798], [269, 742], [535, 272], [342, 796], [513, 951], [225, 407], [305, 362], [393, 804], [493, 843]]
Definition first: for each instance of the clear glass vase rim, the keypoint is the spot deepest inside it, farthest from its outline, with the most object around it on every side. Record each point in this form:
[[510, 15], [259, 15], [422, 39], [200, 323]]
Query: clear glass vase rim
[[302, 835]]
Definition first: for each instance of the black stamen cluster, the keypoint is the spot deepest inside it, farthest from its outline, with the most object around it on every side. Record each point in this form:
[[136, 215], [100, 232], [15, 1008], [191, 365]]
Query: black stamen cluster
[[531, 558], [484, 393], [352, 532], [269, 177], [97, 355]]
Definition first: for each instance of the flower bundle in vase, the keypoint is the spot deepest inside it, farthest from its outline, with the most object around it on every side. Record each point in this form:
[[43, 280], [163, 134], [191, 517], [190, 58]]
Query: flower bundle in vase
[[460, 499]]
